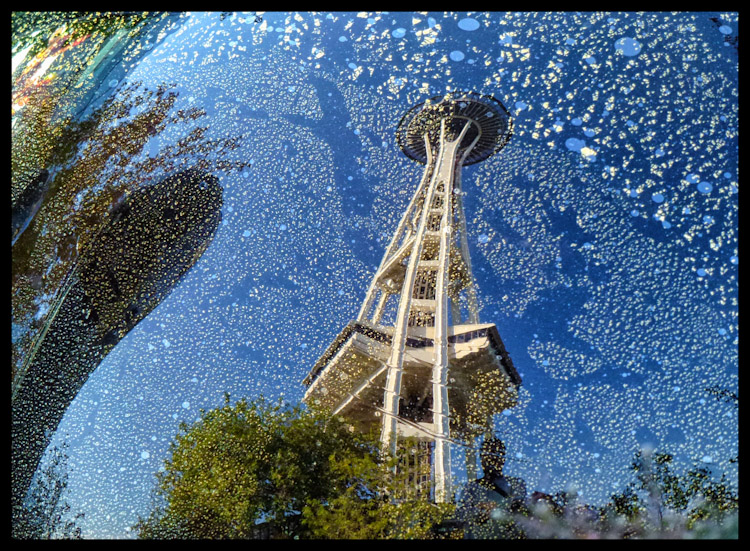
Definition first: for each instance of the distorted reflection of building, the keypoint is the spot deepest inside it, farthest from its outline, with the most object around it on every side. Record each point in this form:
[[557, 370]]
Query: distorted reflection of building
[[83, 58], [416, 372], [146, 245], [73, 75], [27, 203]]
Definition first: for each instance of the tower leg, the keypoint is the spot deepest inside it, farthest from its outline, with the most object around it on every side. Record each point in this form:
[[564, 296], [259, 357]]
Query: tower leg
[[442, 452], [401, 230], [380, 307], [455, 310], [471, 293], [388, 434], [440, 407]]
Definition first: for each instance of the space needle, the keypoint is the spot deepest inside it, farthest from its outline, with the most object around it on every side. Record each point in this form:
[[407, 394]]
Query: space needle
[[417, 360]]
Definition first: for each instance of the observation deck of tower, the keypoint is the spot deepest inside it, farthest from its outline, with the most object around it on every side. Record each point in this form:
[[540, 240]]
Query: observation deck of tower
[[432, 373]]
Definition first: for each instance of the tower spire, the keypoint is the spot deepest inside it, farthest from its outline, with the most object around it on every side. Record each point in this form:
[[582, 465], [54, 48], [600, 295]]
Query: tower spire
[[398, 371]]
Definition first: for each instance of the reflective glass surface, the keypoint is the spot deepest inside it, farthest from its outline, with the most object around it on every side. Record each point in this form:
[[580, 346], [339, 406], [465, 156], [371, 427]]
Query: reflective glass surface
[[200, 201]]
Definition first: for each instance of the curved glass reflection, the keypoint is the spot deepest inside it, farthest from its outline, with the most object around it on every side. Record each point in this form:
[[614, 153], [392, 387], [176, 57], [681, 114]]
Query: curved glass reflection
[[199, 201]]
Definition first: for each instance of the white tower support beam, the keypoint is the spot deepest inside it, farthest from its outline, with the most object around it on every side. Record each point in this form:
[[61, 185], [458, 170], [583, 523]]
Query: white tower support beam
[[471, 292], [380, 306], [395, 362], [440, 406], [395, 241]]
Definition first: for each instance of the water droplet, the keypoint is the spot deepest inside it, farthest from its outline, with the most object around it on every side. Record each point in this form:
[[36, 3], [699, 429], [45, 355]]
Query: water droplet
[[468, 24], [574, 144], [705, 187], [628, 46]]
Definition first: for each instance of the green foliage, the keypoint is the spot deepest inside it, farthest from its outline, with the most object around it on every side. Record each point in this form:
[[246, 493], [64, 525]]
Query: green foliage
[[45, 514], [659, 503], [255, 469], [662, 503], [695, 495], [299, 473], [373, 503]]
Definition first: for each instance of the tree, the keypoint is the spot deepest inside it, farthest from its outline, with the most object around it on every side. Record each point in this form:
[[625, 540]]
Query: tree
[[372, 501], [257, 469], [728, 397], [660, 501], [45, 514]]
